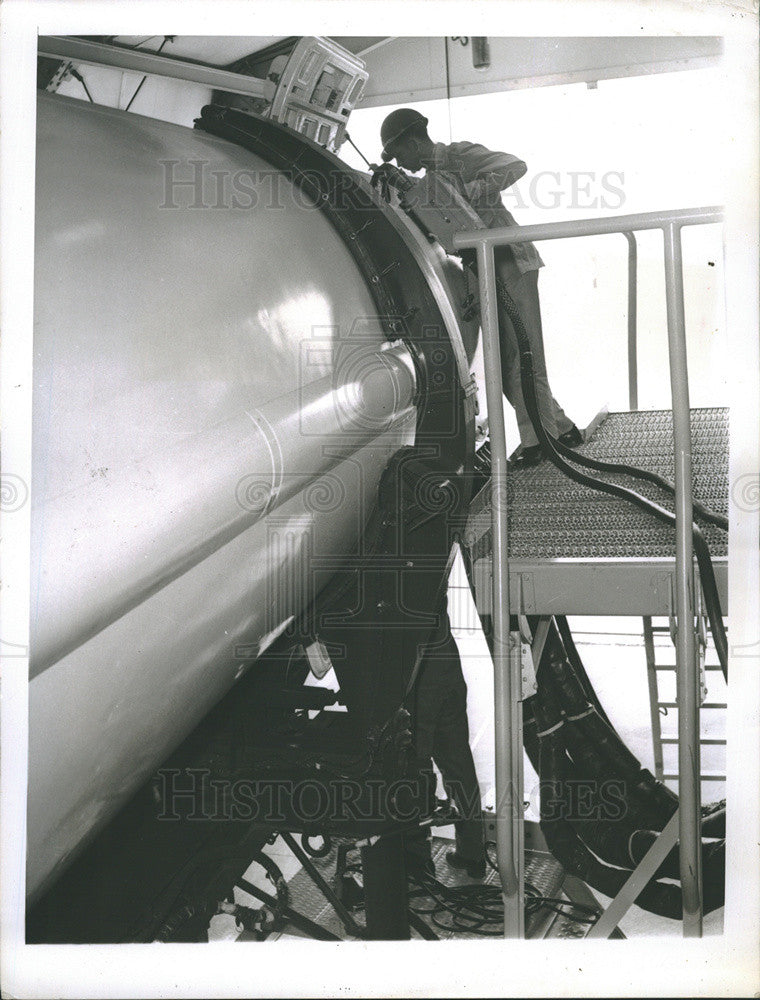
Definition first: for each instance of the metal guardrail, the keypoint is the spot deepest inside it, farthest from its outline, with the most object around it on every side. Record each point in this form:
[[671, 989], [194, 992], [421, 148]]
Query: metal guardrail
[[633, 370], [506, 646]]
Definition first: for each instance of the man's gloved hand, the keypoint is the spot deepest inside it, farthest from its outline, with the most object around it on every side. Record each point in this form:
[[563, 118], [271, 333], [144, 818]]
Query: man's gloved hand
[[387, 176]]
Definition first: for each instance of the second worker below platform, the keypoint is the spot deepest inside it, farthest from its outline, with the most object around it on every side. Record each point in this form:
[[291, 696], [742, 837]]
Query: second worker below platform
[[479, 175], [441, 733]]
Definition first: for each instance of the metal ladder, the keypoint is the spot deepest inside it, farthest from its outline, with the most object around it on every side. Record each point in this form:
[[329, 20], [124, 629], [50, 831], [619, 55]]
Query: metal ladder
[[656, 706]]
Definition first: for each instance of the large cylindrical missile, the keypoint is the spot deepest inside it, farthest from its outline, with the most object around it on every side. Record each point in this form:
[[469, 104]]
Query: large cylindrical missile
[[215, 399]]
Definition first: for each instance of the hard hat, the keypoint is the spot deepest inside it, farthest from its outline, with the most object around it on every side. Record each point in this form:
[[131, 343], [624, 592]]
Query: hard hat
[[395, 125]]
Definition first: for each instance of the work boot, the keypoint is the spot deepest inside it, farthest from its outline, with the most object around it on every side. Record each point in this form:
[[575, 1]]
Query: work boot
[[571, 438], [475, 869], [529, 456]]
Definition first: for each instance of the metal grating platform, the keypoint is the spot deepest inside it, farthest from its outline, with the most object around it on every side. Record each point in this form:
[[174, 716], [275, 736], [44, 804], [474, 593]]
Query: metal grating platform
[[541, 870], [574, 550], [551, 516]]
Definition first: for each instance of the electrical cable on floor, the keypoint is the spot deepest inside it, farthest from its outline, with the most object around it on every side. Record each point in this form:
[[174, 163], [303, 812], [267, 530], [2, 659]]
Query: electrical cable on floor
[[478, 908]]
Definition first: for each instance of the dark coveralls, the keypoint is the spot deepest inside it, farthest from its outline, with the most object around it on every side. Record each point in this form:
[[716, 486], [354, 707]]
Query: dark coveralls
[[441, 732]]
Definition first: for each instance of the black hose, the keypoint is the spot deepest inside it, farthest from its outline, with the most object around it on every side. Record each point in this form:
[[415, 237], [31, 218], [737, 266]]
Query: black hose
[[580, 671], [706, 513], [581, 735], [714, 820], [590, 733], [568, 848], [593, 771], [702, 552], [579, 746], [713, 857], [618, 840], [566, 845], [719, 520], [597, 773]]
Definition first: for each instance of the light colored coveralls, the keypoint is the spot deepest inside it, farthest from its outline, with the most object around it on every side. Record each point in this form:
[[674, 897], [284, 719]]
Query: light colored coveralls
[[480, 175]]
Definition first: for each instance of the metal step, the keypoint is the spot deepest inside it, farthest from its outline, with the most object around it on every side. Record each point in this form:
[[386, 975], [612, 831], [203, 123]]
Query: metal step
[[656, 706], [703, 742], [672, 667], [707, 704], [673, 776]]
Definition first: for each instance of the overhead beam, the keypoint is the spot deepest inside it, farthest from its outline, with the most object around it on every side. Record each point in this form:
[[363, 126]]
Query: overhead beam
[[376, 45], [360, 45], [149, 63]]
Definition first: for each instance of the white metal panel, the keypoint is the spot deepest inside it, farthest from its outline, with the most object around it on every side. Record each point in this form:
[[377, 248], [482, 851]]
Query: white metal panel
[[415, 69]]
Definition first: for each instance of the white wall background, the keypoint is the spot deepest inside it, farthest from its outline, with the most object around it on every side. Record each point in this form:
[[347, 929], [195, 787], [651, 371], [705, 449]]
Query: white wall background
[[169, 100]]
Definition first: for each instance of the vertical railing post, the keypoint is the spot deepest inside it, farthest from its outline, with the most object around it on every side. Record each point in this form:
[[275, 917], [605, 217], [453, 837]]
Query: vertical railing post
[[633, 369], [506, 843], [689, 791], [506, 653]]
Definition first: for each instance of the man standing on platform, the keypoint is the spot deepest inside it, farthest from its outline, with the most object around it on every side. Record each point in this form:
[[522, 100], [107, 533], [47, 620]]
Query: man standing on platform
[[480, 175]]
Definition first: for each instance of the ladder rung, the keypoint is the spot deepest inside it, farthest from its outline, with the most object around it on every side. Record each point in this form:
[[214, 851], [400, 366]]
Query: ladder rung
[[672, 666], [703, 777], [704, 742], [707, 704], [666, 628]]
